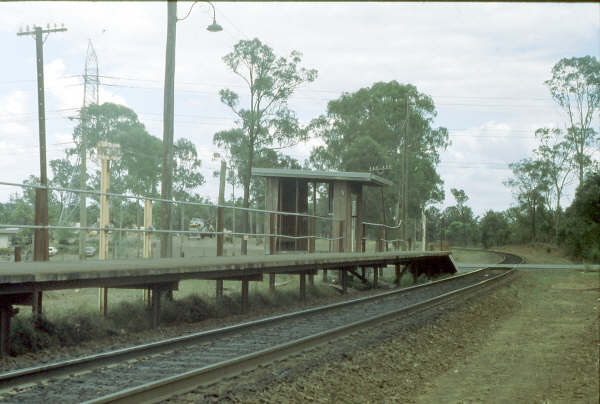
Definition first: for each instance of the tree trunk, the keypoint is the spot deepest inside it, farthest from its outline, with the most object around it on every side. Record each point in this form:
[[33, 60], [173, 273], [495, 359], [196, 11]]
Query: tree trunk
[[245, 216], [533, 221]]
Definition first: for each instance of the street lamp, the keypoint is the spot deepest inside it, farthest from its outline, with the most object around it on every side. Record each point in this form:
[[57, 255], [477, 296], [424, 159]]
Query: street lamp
[[166, 243]]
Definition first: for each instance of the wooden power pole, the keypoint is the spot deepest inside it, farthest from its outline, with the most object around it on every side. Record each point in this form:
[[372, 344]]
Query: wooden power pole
[[166, 239], [405, 171], [41, 244]]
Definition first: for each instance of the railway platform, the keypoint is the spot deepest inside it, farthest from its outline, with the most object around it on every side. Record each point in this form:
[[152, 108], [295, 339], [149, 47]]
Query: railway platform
[[23, 283]]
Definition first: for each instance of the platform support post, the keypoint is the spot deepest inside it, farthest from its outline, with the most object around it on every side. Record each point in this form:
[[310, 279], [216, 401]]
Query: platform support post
[[36, 306], [397, 270], [155, 306], [219, 291], [303, 286], [311, 279], [324, 275], [148, 297], [6, 312], [344, 278], [244, 295], [103, 300], [375, 276], [272, 282]]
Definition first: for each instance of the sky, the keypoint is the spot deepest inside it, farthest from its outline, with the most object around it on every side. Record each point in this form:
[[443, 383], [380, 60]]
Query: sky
[[484, 65]]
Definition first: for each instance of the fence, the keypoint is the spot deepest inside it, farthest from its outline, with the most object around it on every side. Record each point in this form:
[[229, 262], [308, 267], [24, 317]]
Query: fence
[[147, 230]]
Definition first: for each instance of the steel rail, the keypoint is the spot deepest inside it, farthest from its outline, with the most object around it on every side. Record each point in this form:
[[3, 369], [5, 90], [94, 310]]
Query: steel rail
[[170, 386], [18, 377]]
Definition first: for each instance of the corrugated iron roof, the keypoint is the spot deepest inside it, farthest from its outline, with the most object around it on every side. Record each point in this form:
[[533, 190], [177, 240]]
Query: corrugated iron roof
[[323, 176]]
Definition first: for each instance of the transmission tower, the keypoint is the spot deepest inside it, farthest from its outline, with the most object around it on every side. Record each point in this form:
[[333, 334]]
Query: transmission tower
[[90, 77], [90, 96]]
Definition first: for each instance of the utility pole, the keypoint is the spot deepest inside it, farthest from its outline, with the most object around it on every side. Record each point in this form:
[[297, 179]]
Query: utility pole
[[40, 249], [166, 239], [405, 170]]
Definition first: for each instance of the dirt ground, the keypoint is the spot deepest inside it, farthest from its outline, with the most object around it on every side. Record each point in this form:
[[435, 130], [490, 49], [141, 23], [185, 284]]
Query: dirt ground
[[534, 341]]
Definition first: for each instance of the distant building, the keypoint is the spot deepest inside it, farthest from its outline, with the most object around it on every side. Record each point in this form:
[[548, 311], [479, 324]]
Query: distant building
[[6, 236]]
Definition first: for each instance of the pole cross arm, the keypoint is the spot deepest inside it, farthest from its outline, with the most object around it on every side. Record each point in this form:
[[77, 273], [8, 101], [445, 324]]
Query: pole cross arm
[[43, 31]]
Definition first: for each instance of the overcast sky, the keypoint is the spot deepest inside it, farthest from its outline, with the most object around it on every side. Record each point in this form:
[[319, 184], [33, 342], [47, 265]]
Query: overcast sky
[[483, 64]]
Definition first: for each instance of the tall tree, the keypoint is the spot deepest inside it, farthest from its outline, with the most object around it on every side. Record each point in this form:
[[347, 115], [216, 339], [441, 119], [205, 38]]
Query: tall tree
[[464, 211], [266, 120], [575, 86], [581, 230], [186, 173], [493, 229], [558, 165], [373, 119], [529, 183]]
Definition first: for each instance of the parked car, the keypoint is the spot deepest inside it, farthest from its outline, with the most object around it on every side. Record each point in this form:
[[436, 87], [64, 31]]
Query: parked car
[[205, 229], [90, 251], [52, 251]]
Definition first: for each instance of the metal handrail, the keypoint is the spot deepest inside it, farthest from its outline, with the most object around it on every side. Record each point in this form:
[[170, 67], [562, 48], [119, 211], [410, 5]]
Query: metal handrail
[[149, 198], [152, 230], [382, 225]]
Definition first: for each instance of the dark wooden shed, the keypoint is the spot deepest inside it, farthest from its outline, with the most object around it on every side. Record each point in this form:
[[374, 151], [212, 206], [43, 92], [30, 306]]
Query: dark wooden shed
[[287, 191]]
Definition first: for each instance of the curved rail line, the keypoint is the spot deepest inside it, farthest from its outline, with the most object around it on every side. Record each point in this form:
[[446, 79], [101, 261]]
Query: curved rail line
[[218, 368]]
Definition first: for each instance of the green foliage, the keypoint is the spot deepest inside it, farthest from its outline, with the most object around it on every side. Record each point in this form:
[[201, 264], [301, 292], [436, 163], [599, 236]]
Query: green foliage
[[529, 184], [267, 120], [374, 119], [493, 229], [575, 86], [580, 234]]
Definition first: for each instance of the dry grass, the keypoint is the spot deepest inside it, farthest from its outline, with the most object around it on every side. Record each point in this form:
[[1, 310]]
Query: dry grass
[[537, 253]]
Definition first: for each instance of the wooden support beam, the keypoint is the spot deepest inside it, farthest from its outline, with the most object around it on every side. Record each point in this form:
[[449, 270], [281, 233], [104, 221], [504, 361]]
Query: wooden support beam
[[397, 270], [344, 281], [148, 297], [302, 287], [219, 291], [244, 296], [363, 241], [103, 300], [311, 279], [155, 305], [6, 312], [271, 282], [414, 270], [375, 276], [324, 275], [359, 276], [36, 306]]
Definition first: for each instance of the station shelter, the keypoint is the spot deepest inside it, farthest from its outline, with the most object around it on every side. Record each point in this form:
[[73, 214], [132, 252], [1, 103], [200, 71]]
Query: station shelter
[[287, 190]]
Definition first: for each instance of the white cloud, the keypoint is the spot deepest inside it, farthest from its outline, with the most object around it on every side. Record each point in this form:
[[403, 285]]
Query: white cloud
[[483, 64]]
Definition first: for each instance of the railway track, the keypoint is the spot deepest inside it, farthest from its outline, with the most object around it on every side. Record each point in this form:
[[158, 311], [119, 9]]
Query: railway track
[[155, 371]]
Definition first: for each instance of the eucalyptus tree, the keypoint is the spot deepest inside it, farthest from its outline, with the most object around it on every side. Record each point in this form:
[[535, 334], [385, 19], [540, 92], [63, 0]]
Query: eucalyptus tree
[[575, 86], [529, 183], [265, 120], [581, 230], [556, 156], [368, 129]]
